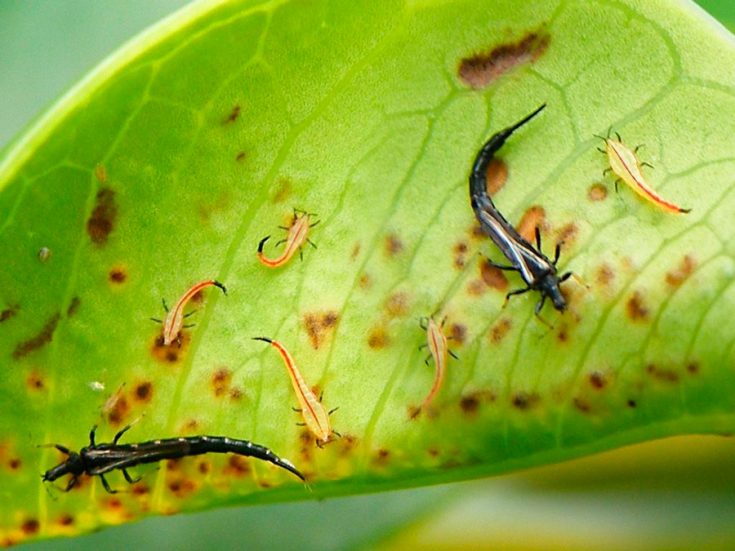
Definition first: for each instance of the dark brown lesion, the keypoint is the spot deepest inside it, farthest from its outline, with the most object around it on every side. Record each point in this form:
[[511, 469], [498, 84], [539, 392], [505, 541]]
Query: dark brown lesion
[[480, 70], [104, 215], [73, 307], [319, 325], [233, 116], [636, 308], [44, 336], [682, 272], [9, 312]]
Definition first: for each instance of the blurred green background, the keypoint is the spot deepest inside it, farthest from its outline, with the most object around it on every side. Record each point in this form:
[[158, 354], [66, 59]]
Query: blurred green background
[[674, 494]]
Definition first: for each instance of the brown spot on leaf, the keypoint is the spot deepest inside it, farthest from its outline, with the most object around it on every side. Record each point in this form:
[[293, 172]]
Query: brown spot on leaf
[[693, 368], [237, 466], [382, 457], [182, 488], [396, 306], [73, 307], [234, 114], [318, 325], [582, 405], [661, 374], [533, 218], [476, 232], [492, 276], [204, 467], [393, 245], [240, 157], [9, 312], [65, 520], [636, 308], [143, 391], [355, 251], [236, 394], [378, 338], [140, 489], [632, 403], [481, 70], [102, 221], [221, 380], [460, 254], [116, 409], [118, 275], [458, 333], [365, 281], [30, 526], [43, 337], [283, 190], [680, 274], [563, 334], [525, 401], [598, 380], [476, 287], [100, 172], [597, 192], [567, 233], [500, 329], [469, 404], [15, 464], [605, 275], [497, 174], [34, 381]]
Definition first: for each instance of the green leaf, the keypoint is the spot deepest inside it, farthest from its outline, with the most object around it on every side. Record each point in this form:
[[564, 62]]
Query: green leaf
[[169, 163]]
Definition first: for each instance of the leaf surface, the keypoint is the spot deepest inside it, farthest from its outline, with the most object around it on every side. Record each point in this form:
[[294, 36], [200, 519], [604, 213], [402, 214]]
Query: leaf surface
[[170, 163]]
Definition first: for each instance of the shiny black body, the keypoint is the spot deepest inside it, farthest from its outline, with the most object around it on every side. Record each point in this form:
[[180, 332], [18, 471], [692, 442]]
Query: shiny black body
[[537, 270], [99, 459]]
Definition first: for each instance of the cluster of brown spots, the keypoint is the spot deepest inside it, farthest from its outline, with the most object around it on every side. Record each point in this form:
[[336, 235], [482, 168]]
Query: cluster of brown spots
[[319, 325], [307, 444], [605, 275], [460, 254], [237, 466], [500, 329], [100, 172], [355, 251], [182, 488], [102, 220], [73, 307], [118, 275], [476, 232], [30, 526], [598, 380], [493, 277], [458, 333], [347, 444], [9, 312], [173, 352], [41, 339], [497, 175], [597, 192], [365, 281], [660, 374], [393, 245], [234, 114], [378, 338], [480, 70], [65, 520], [34, 381], [143, 391], [190, 427], [567, 233], [236, 394], [283, 190], [240, 157], [582, 405], [525, 401], [221, 380], [693, 368], [534, 217], [636, 308], [679, 275]]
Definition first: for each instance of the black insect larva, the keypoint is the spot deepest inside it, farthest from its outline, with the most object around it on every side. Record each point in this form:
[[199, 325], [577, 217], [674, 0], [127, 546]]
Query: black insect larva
[[99, 459], [536, 269]]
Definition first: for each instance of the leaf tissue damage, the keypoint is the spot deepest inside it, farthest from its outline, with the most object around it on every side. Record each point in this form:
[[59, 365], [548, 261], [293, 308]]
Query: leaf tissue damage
[[481, 70]]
